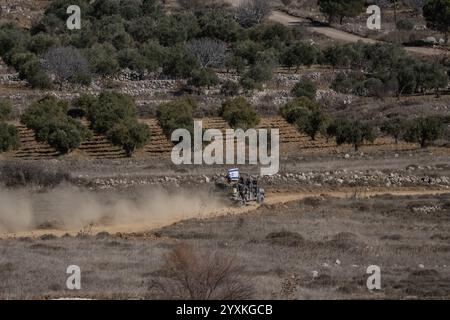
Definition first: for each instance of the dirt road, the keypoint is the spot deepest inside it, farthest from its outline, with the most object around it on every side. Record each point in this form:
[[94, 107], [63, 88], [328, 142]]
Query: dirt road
[[272, 199], [340, 35]]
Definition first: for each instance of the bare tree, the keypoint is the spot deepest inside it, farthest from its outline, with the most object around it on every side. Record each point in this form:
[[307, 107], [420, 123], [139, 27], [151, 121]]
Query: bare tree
[[189, 275], [65, 64], [209, 52], [251, 12]]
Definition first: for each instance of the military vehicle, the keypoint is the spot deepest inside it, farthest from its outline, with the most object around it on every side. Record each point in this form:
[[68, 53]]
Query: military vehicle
[[241, 188]]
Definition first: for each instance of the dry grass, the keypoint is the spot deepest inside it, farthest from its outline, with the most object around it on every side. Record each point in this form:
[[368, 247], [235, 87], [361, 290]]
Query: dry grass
[[281, 247]]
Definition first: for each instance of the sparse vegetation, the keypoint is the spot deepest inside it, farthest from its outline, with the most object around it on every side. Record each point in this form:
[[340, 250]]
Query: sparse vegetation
[[21, 174], [181, 60]]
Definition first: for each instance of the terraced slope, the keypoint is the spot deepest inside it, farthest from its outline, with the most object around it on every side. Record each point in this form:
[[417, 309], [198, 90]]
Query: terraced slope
[[288, 133], [159, 144], [99, 147], [30, 148], [217, 123]]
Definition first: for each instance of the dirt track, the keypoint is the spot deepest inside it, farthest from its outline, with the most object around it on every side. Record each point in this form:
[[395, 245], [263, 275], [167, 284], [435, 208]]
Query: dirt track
[[340, 35], [272, 199]]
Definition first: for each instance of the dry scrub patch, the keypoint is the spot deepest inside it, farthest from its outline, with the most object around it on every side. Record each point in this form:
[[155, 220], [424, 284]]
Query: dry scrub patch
[[301, 249]]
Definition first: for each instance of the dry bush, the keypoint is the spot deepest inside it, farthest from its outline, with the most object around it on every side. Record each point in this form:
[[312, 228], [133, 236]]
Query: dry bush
[[208, 52], [201, 276], [19, 174], [285, 238], [252, 12]]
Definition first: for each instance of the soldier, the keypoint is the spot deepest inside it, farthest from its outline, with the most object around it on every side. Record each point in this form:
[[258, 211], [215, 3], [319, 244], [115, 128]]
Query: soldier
[[255, 186], [241, 189]]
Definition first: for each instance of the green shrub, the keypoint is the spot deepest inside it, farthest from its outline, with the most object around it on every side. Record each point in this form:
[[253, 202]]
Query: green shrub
[[114, 114], [341, 8], [306, 114], [239, 113], [304, 88], [82, 105], [312, 122], [299, 54], [29, 68], [247, 50], [204, 78], [394, 127], [353, 132], [405, 24], [131, 59], [294, 109], [9, 137], [375, 87], [103, 59], [179, 62], [130, 134], [349, 83], [154, 55], [437, 15], [5, 109], [48, 118], [230, 88], [176, 115], [109, 109], [41, 42], [424, 130], [219, 24], [236, 63], [249, 84]]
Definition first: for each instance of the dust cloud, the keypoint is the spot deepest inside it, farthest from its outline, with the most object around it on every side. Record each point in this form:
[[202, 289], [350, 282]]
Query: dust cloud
[[72, 208], [15, 211]]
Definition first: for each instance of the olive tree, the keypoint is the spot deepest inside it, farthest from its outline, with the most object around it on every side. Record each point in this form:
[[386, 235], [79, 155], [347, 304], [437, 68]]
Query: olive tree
[[341, 8], [394, 127], [307, 115], [424, 130], [239, 113], [437, 15], [353, 132]]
